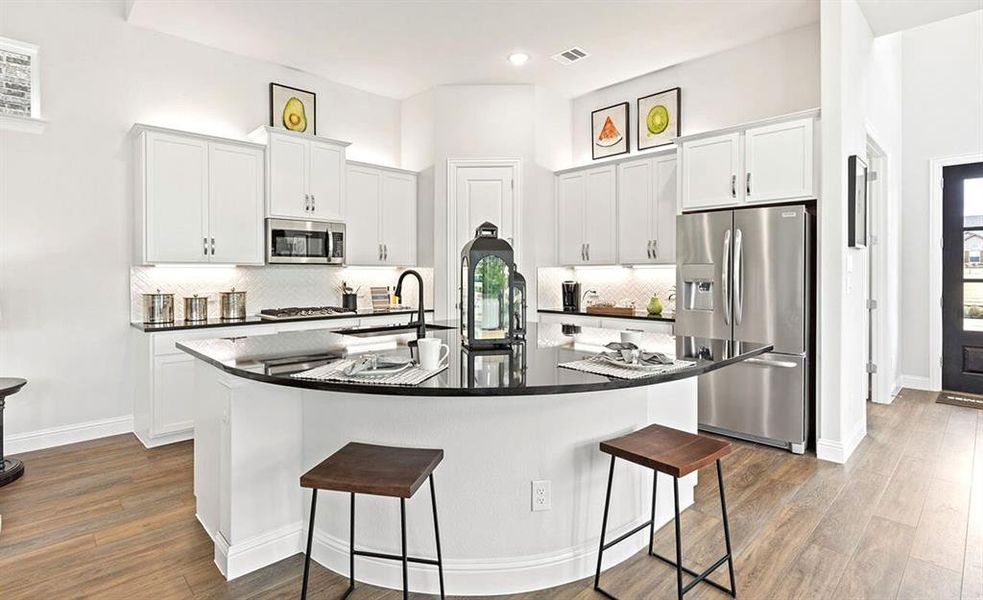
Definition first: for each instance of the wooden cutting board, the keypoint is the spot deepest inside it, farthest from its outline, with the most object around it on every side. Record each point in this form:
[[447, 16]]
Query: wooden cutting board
[[615, 311]]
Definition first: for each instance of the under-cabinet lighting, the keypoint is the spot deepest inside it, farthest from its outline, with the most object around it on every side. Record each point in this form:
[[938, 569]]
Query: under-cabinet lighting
[[654, 267], [193, 266]]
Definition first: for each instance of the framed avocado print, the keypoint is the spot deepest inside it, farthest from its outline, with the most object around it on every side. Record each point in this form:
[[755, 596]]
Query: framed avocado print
[[293, 109], [609, 131], [658, 119]]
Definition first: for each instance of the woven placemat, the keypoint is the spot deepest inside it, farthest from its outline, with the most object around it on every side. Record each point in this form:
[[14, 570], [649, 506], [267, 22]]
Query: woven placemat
[[600, 366], [960, 399], [336, 372]]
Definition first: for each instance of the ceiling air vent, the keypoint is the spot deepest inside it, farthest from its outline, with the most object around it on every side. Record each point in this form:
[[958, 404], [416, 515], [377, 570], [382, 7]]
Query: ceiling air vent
[[570, 56]]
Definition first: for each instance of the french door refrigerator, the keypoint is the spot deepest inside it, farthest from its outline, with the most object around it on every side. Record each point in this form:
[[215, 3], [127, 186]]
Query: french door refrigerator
[[746, 275]]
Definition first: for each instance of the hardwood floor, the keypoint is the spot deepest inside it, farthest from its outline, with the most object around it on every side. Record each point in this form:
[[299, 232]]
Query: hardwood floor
[[903, 519]]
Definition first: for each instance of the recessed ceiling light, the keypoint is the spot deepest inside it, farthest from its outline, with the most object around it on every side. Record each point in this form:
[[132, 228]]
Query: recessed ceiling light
[[518, 58]]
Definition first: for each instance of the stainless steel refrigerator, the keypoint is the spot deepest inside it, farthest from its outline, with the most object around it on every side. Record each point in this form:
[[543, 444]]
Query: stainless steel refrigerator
[[747, 275]]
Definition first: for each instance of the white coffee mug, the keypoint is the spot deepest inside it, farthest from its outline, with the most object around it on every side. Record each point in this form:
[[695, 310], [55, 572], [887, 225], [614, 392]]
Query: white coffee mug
[[431, 356], [634, 337]]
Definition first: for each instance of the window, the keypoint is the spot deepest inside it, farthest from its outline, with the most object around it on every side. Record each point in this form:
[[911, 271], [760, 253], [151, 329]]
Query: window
[[20, 82]]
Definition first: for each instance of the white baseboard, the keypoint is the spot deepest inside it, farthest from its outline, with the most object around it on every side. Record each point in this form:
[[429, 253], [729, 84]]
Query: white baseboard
[[488, 576], [840, 451], [255, 553], [150, 441], [68, 434], [917, 382]]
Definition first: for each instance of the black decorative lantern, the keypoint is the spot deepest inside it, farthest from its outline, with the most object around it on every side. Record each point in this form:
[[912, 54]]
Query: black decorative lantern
[[495, 367], [519, 306], [488, 279]]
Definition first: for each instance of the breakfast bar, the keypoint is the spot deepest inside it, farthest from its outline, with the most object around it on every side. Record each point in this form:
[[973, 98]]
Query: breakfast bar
[[507, 421]]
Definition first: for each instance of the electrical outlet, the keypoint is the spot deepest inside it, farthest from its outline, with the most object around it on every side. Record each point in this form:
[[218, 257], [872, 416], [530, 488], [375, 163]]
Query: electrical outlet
[[542, 497]]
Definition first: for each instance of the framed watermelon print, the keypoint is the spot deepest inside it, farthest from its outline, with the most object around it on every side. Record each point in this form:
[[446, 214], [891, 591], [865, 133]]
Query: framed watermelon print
[[658, 119], [609, 131]]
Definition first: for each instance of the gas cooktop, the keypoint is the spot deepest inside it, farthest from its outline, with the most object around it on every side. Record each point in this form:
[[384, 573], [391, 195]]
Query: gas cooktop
[[302, 312]]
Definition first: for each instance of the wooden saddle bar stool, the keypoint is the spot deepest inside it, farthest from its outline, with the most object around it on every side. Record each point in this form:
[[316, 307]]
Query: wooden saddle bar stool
[[376, 471], [675, 453]]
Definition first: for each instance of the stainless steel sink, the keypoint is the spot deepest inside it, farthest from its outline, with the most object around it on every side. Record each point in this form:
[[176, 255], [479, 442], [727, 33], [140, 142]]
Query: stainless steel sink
[[381, 331]]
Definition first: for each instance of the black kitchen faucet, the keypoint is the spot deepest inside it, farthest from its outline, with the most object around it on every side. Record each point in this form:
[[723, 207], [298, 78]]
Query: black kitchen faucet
[[421, 325]]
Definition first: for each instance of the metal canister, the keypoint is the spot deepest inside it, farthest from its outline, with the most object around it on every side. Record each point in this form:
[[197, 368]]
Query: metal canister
[[232, 305], [195, 308], [158, 308]]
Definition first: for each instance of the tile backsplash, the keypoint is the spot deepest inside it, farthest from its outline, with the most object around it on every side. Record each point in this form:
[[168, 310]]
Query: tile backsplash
[[613, 284], [270, 286]]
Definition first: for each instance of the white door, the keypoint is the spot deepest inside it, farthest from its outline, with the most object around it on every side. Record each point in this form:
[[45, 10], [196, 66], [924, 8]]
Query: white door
[[778, 160], [288, 177], [398, 219], [636, 211], [711, 168], [600, 210], [326, 181], [484, 194], [363, 242], [235, 204], [666, 207], [177, 199], [570, 198]]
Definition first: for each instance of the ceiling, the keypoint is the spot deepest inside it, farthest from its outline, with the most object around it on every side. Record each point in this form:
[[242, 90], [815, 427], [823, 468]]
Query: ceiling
[[401, 48], [889, 16]]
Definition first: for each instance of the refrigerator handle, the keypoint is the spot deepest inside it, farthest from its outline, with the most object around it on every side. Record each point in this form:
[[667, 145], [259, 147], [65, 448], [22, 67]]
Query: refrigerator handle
[[738, 277], [725, 278]]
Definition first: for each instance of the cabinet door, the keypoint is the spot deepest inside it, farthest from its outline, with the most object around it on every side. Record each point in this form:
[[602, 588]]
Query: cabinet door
[[176, 218], [288, 177], [235, 204], [711, 168], [636, 211], [173, 395], [364, 245], [600, 216], [398, 219], [570, 197], [778, 162], [326, 181], [652, 326], [664, 245]]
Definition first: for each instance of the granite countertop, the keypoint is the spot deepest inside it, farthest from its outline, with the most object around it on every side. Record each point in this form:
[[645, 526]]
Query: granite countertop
[[257, 320], [531, 369], [639, 314]]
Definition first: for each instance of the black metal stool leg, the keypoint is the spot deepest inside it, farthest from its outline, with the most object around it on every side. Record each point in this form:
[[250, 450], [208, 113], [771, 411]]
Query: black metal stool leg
[[604, 526], [679, 543], [310, 539], [723, 509], [351, 548], [436, 535], [655, 488], [402, 527]]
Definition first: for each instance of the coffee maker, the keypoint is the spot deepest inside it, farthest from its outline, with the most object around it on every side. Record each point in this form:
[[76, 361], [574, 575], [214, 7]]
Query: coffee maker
[[571, 296]]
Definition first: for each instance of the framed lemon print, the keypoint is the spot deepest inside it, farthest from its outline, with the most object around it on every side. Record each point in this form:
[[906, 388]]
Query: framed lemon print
[[293, 109], [658, 119], [609, 131]]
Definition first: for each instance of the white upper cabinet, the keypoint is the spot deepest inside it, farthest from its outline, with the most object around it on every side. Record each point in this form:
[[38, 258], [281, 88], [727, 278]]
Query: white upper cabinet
[[647, 210], [306, 175], [710, 169], [778, 162], [586, 204], [199, 199], [381, 222], [770, 162]]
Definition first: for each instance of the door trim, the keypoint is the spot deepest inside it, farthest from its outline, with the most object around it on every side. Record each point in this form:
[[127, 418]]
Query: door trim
[[935, 261], [453, 164]]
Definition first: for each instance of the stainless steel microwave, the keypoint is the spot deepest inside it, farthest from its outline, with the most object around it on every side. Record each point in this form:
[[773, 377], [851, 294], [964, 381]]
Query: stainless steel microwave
[[304, 242]]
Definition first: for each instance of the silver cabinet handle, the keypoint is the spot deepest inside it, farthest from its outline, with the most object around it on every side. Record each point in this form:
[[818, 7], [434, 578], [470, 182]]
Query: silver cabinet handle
[[655, 249], [738, 277], [204, 244], [648, 249], [380, 252], [725, 278], [313, 203], [783, 364], [748, 183], [307, 202], [588, 251], [213, 246], [583, 251], [733, 186], [385, 252]]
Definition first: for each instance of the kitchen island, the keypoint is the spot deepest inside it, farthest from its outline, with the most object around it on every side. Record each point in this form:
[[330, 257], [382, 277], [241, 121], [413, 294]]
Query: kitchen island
[[503, 420]]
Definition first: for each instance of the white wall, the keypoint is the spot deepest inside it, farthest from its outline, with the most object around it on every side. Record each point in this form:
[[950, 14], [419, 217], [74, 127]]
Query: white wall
[[942, 94], [65, 196], [770, 77]]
